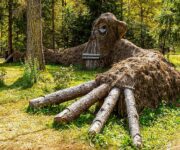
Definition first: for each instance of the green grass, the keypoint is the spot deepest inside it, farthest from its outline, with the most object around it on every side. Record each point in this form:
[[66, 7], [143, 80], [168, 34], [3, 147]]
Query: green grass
[[24, 128], [175, 59]]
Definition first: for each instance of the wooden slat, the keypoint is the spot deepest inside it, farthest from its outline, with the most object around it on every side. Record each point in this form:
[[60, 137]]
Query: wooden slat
[[91, 54], [88, 58]]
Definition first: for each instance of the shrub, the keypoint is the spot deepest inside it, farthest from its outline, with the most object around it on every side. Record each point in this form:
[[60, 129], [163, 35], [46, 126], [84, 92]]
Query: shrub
[[63, 77], [2, 76], [31, 73]]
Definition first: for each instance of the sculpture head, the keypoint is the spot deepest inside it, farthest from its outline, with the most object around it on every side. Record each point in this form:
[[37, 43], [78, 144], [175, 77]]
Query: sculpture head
[[106, 30]]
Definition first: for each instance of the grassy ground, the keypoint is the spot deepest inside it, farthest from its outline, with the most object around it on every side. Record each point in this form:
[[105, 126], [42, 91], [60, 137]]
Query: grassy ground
[[22, 128]]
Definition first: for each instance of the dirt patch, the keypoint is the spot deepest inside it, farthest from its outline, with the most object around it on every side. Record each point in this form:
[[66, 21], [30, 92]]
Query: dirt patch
[[21, 131]]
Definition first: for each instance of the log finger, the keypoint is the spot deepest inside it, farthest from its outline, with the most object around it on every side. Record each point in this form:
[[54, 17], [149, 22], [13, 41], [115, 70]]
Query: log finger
[[78, 107], [63, 95], [105, 111], [133, 118]]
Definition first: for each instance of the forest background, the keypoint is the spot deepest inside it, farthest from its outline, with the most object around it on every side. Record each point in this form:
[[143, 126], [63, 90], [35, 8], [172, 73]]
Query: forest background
[[67, 23]]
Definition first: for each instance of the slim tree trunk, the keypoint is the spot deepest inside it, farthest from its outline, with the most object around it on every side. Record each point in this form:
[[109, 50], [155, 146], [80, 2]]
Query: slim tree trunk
[[1, 38], [64, 36], [53, 25], [34, 33], [10, 48], [121, 9], [64, 3], [128, 11], [142, 20]]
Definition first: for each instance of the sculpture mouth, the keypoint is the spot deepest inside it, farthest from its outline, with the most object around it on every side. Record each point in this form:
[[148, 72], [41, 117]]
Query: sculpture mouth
[[92, 50]]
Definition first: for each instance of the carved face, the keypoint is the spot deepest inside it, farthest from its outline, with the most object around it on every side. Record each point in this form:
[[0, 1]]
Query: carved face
[[105, 32]]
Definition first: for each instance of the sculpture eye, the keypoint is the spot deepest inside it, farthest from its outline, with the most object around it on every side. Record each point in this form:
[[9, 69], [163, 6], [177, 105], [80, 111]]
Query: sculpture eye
[[103, 30]]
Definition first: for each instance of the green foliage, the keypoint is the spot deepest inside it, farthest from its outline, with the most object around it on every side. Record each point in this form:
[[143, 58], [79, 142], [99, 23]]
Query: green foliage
[[18, 28], [175, 60], [2, 76], [76, 25], [150, 23], [167, 33], [63, 77], [31, 73]]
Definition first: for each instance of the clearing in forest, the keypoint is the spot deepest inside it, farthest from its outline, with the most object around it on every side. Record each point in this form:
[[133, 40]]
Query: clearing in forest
[[21, 128]]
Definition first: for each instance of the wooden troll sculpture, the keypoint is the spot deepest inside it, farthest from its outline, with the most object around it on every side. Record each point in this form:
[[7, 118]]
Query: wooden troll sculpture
[[139, 78]]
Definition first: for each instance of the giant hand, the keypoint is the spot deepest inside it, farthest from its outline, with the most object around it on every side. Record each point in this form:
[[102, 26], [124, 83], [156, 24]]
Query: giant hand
[[138, 79]]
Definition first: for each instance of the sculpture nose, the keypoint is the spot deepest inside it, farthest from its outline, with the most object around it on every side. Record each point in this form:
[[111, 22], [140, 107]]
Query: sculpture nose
[[94, 34]]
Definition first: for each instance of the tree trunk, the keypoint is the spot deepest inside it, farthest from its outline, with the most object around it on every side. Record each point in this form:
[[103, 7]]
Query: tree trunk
[[133, 117], [78, 107], [9, 58], [105, 111], [122, 10], [63, 30], [34, 33], [142, 20], [53, 26], [128, 10], [10, 48], [1, 38], [64, 3], [63, 95]]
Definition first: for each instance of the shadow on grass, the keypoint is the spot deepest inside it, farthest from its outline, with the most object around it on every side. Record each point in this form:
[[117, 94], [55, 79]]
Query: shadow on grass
[[48, 110], [79, 72], [19, 83], [84, 118], [147, 118], [11, 64]]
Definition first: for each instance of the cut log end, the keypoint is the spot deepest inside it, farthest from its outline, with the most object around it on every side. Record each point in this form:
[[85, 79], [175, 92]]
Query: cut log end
[[95, 128], [78, 107], [133, 118], [137, 141], [63, 95], [34, 103], [105, 111], [61, 117]]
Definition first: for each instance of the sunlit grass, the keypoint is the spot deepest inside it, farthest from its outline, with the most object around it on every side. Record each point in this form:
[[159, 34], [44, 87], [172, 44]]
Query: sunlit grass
[[23, 128], [175, 59]]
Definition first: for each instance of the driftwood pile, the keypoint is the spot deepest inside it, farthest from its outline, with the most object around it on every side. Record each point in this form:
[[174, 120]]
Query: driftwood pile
[[139, 78]]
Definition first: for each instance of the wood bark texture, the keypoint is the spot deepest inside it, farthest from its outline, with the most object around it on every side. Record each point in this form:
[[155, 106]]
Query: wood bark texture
[[78, 107], [34, 33], [8, 59], [105, 111], [63, 95], [53, 24], [133, 117], [10, 35]]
